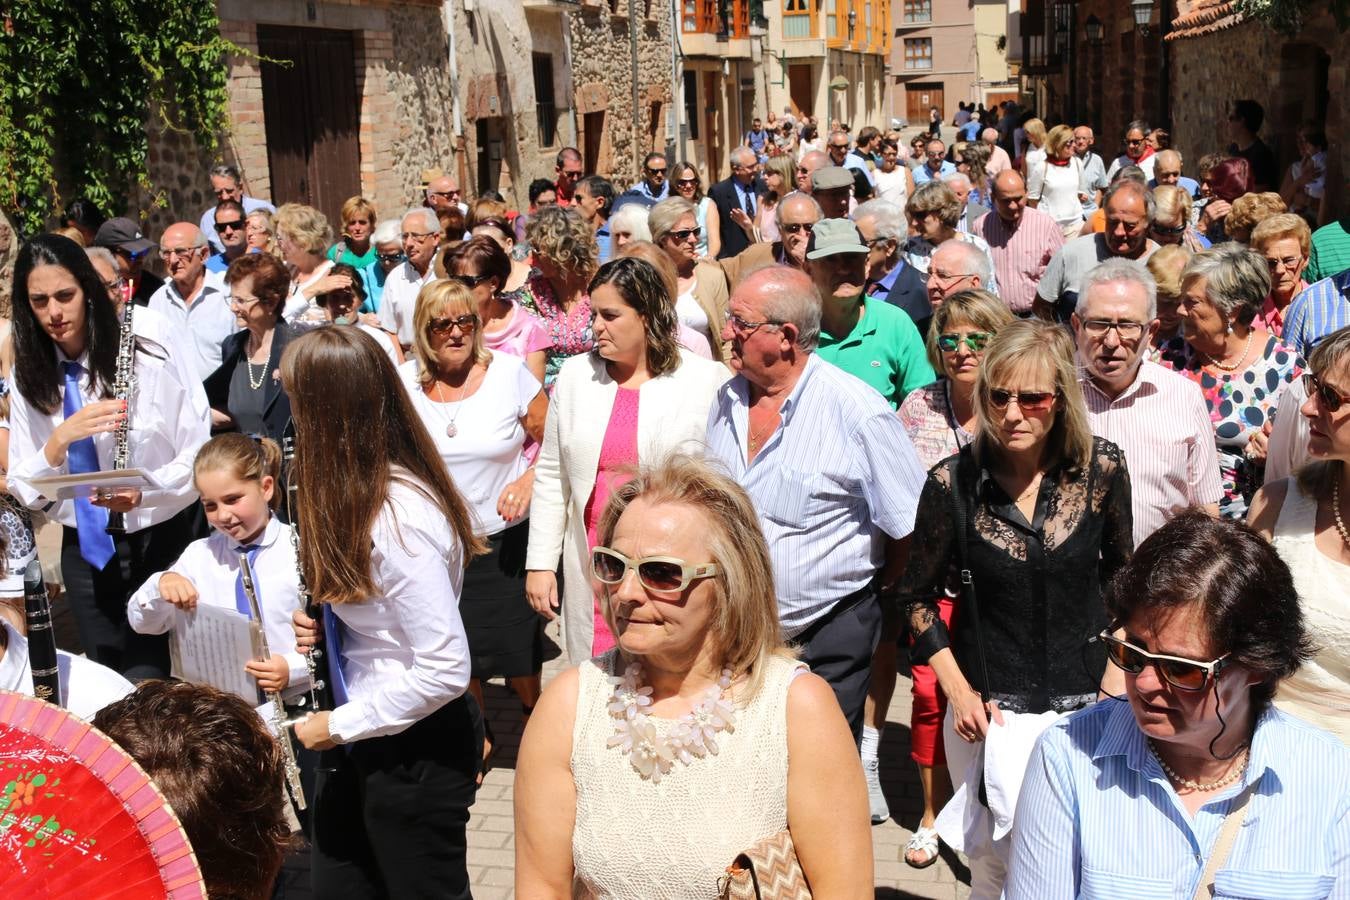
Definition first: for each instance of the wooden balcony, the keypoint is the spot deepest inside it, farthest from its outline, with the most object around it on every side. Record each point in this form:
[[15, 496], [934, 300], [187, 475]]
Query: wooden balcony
[[715, 28]]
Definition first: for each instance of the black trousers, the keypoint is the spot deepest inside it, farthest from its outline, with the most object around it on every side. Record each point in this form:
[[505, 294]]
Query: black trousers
[[391, 813], [839, 647], [98, 598]]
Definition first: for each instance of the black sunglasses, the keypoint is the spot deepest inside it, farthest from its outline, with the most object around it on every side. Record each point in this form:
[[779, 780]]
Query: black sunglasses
[[222, 227], [1328, 396], [390, 257], [471, 281]]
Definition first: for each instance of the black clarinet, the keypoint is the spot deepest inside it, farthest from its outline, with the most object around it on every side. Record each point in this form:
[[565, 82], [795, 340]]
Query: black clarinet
[[41, 638], [320, 691]]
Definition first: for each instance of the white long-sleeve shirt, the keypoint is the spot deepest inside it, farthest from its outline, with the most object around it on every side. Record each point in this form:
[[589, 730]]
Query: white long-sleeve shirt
[[212, 565], [405, 653], [170, 421], [86, 686]]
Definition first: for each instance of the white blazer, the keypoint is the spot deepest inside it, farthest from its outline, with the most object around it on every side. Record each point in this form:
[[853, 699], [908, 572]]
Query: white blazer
[[672, 415]]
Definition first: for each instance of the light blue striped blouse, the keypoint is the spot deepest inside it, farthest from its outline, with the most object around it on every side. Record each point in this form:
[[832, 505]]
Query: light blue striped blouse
[[1097, 818], [830, 485], [1323, 307]]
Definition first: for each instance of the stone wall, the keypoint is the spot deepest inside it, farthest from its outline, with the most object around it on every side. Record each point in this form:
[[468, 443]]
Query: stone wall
[[1284, 74]]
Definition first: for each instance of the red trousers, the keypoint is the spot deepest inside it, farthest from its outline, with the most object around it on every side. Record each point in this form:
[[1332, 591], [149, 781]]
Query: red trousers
[[929, 707]]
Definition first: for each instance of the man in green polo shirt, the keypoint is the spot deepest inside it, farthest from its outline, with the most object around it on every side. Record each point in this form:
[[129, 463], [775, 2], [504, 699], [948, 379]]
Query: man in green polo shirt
[[866, 337]]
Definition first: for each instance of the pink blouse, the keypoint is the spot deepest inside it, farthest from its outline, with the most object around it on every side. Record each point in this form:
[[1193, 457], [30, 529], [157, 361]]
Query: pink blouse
[[618, 460], [523, 335]]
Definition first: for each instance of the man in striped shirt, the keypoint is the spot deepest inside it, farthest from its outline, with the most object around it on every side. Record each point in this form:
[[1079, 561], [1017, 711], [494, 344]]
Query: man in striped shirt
[[1157, 417], [1022, 241], [1323, 307]]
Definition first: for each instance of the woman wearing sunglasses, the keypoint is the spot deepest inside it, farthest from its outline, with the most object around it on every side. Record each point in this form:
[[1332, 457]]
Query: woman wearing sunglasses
[[646, 771], [686, 183], [1194, 786], [1047, 513], [1305, 518], [634, 399], [482, 266], [480, 408], [1171, 223], [702, 300], [939, 419]]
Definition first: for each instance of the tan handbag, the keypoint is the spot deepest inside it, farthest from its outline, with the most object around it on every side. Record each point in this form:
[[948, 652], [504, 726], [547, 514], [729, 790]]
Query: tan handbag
[[768, 870]]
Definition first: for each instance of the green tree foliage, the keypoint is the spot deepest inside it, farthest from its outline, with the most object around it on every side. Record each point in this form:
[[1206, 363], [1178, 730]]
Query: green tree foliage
[[78, 82]]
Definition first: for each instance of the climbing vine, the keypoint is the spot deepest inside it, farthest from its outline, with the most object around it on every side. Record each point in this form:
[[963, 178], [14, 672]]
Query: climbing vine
[[1287, 16], [78, 85]]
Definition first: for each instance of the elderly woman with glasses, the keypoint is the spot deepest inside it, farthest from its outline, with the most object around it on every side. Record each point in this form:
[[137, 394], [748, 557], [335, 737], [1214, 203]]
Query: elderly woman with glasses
[[1304, 516], [1034, 512], [1171, 222], [1242, 369], [1286, 243], [700, 716], [934, 212], [1194, 785], [565, 258], [702, 300], [480, 409], [1166, 265], [685, 182], [632, 400]]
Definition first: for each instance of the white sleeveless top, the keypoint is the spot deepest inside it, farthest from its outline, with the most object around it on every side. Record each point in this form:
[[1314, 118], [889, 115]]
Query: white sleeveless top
[[1319, 692], [674, 839]]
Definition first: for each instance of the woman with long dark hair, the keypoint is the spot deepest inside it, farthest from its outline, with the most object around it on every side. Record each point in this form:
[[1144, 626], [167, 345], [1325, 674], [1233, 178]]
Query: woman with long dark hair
[[384, 552], [64, 420]]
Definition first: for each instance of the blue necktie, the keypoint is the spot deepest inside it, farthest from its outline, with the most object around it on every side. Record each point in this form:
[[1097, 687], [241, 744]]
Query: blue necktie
[[240, 598], [332, 636], [96, 545]]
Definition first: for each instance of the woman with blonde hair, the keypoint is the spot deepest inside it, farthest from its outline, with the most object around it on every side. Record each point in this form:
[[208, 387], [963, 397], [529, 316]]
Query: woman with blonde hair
[[701, 303], [1166, 265], [687, 337], [780, 173], [1033, 149], [1171, 222], [1286, 243], [383, 551], [260, 232], [481, 408], [1057, 183], [685, 182], [1037, 511], [358, 224], [1250, 210], [700, 693], [633, 400], [565, 259], [303, 236]]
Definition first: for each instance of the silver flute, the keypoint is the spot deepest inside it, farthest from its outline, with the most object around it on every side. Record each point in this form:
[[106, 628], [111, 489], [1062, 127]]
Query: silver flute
[[124, 381], [320, 693], [279, 720]]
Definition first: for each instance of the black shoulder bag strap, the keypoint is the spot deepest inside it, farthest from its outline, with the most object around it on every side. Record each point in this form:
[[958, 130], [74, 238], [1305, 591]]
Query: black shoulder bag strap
[[969, 605]]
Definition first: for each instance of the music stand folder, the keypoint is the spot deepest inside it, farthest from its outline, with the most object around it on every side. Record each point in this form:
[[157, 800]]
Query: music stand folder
[[89, 484]]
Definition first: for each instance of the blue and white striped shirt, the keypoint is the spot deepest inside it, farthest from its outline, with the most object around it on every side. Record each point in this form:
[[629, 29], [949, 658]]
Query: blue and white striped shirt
[[1097, 818], [1323, 307], [837, 477]]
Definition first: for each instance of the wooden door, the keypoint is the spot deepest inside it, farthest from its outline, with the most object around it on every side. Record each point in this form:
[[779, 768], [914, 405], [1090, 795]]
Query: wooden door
[[712, 135], [800, 91], [311, 110], [919, 98]]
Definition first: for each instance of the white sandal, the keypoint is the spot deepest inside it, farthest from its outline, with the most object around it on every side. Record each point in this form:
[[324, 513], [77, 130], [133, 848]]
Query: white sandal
[[924, 840]]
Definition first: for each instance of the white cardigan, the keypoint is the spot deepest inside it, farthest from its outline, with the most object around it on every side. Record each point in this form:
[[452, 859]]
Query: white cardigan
[[672, 415]]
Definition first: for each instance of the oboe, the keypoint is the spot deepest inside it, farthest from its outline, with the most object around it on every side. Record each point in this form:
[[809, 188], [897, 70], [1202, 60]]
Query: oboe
[[41, 638], [279, 720], [123, 382], [320, 692]]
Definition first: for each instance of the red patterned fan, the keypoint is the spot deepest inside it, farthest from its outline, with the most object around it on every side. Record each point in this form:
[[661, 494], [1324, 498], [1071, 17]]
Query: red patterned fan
[[79, 817]]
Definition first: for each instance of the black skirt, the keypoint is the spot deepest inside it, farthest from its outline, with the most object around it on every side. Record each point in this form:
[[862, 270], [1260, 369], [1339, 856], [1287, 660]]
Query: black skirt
[[506, 636]]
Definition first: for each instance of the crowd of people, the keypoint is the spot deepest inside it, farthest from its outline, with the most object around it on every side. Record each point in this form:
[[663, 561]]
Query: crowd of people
[[1068, 436]]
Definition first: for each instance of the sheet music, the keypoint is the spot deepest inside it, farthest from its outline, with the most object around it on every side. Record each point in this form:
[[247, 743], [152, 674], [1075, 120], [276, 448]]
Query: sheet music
[[210, 645]]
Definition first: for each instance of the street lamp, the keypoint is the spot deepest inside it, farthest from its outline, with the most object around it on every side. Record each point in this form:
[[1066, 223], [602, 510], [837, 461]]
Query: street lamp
[[1093, 29], [1143, 13], [852, 23]]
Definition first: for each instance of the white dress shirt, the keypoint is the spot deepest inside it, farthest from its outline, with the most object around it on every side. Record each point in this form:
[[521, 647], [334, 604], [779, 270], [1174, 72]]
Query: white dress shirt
[[86, 686], [169, 423], [399, 300], [212, 565], [404, 652], [831, 484], [207, 319]]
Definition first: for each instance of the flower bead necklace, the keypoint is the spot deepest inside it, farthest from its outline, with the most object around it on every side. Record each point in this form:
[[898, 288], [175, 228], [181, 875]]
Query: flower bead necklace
[[690, 737]]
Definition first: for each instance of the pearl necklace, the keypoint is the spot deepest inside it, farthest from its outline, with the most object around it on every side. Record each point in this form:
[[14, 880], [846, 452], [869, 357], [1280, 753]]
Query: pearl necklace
[[1219, 364], [1336, 511], [690, 737], [1197, 785]]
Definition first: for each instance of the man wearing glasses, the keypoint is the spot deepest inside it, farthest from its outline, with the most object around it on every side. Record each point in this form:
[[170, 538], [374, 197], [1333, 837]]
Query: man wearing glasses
[[420, 236], [837, 146], [1137, 152], [195, 305], [130, 248], [736, 192], [1167, 170], [1157, 417], [568, 170], [226, 184], [229, 227], [442, 195], [935, 166], [795, 214], [653, 185]]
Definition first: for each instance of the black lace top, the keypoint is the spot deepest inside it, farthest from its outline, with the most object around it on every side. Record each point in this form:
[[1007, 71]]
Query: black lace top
[[1038, 584]]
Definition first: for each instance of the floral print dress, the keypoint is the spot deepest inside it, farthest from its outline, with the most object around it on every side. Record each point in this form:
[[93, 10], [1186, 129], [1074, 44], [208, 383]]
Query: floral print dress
[[570, 330], [1240, 403]]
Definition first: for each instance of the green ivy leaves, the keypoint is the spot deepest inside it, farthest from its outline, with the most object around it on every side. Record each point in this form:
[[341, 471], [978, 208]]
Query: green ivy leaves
[[77, 87]]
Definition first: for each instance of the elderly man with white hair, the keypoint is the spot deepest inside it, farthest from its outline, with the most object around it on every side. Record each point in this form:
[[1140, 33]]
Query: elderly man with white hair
[[960, 184], [736, 199], [421, 233], [889, 277], [957, 266], [1157, 417], [999, 160]]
